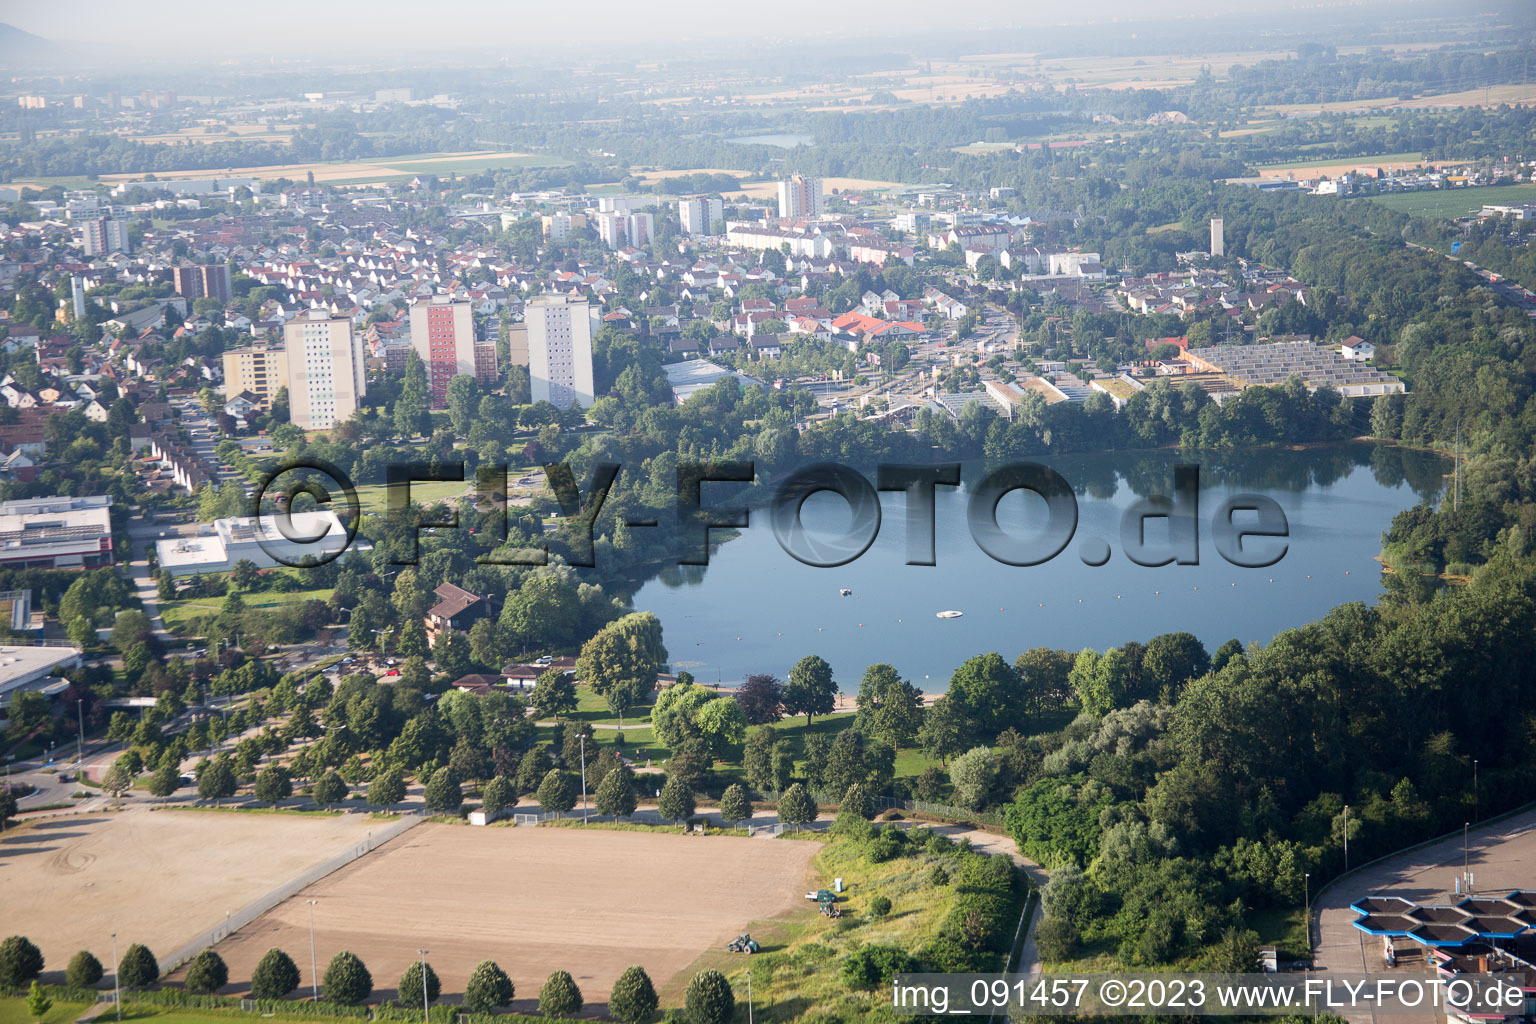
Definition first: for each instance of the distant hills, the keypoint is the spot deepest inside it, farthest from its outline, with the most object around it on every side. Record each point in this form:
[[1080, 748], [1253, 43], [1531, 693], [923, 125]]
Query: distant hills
[[21, 47]]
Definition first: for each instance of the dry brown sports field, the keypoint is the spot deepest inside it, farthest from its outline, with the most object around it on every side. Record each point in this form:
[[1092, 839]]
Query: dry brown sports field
[[534, 900], [159, 878]]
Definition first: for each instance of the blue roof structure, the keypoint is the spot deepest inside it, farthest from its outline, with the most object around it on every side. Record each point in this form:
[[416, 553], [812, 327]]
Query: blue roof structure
[[1448, 926]]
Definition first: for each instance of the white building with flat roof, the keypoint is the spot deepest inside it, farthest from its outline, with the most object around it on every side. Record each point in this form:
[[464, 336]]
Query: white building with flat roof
[[219, 546], [57, 532], [34, 668]]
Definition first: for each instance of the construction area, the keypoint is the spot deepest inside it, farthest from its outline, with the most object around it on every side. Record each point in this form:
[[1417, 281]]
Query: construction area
[[534, 900]]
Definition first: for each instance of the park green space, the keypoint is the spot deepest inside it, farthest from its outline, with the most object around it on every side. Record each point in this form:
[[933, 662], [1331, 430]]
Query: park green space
[[1455, 202]]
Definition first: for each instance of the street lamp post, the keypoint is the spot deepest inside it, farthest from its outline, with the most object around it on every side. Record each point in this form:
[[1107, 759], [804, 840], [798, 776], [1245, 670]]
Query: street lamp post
[[80, 748], [1466, 863], [117, 998], [1477, 796], [582, 737], [426, 1014], [1306, 889], [1346, 837], [749, 995], [314, 977]]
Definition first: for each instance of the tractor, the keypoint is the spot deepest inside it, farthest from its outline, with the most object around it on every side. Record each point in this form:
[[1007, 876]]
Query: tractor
[[744, 944]]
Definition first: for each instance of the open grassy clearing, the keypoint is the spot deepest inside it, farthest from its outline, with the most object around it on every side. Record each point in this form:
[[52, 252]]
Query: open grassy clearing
[[180, 613], [1457, 202]]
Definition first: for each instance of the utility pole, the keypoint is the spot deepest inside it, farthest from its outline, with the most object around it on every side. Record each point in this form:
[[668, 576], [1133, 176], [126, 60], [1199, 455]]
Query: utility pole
[[80, 748], [426, 1014], [1477, 796], [749, 995], [582, 739], [314, 977], [1346, 837], [116, 966], [1466, 861]]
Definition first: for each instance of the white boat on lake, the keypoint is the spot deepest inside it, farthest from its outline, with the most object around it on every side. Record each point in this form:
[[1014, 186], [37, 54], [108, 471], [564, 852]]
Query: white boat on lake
[[950, 614]]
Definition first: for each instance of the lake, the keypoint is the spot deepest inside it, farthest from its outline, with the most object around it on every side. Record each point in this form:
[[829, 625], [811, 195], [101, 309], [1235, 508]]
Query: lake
[[754, 608], [782, 141]]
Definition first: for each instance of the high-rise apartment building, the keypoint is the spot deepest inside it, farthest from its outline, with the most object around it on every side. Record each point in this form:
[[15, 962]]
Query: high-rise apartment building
[[104, 235], [260, 369], [194, 281], [618, 230], [560, 350], [443, 335], [699, 216], [800, 196], [325, 369]]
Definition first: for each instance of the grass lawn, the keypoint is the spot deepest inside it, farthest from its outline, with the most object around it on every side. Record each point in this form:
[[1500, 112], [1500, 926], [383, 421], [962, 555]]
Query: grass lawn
[[1350, 161], [178, 614], [13, 1010], [1455, 202], [374, 498]]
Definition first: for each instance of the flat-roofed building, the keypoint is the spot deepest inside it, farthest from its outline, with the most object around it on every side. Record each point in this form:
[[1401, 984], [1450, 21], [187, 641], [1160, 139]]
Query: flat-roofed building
[[259, 540], [56, 532], [326, 372], [560, 350]]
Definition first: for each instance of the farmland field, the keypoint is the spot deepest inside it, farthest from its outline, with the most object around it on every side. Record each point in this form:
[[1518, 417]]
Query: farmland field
[[157, 878], [1456, 202], [534, 900]]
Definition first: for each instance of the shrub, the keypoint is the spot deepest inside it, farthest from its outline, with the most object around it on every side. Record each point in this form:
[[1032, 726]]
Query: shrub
[[138, 968], [559, 997], [488, 988], [84, 970], [275, 975], [20, 962], [207, 973], [938, 876], [879, 906], [709, 999], [347, 981], [874, 965], [410, 985], [633, 998]]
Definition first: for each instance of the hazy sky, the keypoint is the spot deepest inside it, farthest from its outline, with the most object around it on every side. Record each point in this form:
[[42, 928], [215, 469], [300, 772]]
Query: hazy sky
[[307, 26]]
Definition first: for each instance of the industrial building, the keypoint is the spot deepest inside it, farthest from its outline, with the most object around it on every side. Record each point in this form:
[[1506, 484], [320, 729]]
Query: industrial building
[[56, 532], [34, 668]]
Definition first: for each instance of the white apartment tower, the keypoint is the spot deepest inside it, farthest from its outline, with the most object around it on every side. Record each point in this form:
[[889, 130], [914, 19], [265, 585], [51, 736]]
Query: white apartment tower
[[699, 216], [800, 196], [560, 350], [1218, 237], [325, 369], [104, 235]]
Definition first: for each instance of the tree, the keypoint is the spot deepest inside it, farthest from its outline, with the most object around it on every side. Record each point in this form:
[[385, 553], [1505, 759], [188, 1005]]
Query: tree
[[627, 652], [275, 975], [411, 406], [988, 694], [117, 781], [38, 1003], [497, 797], [633, 999], [676, 802], [217, 781], [709, 999], [734, 805], [485, 647], [616, 794], [972, 775], [410, 990], [811, 689], [463, 398], [274, 785], [1170, 661], [488, 988], [857, 800], [207, 973], [7, 806], [84, 970], [330, 789], [347, 981], [388, 787], [796, 807], [940, 733], [245, 574], [138, 968], [761, 698], [166, 780], [559, 997], [443, 794], [450, 652], [556, 794], [20, 962], [890, 708], [553, 693]]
